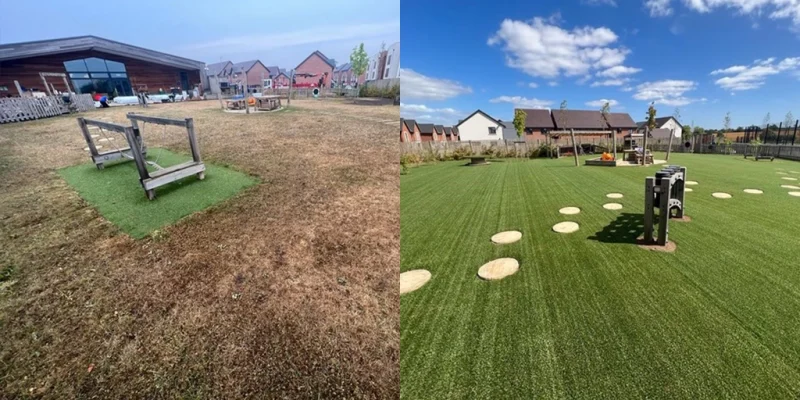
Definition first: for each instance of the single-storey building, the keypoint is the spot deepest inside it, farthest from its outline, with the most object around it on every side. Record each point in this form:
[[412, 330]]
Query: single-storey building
[[93, 64], [537, 123], [664, 123], [315, 71], [480, 126]]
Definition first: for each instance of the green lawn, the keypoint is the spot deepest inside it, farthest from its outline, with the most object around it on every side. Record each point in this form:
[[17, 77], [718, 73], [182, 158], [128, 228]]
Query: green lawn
[[116, 193], [589, 314]]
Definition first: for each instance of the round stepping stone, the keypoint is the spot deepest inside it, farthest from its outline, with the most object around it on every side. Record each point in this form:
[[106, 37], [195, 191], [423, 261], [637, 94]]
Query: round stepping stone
[[721, 195], [570, 210], [614, 195], [794, 172], [565, 227], [753, 191], [789, 178], [498, 269], [612, 206], [105, 139], [506, 237], [795, 194], [94, 136], [688, 190], [413, 280], [781, 173], [691, 183], [96, 147], [790, 187]]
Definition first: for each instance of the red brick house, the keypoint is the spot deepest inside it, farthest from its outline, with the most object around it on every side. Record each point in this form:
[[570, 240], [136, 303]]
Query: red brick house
[[456, 136], [537, 123], [314, 68], [440, 137], [427, 133], [254, 71], [409, 131]]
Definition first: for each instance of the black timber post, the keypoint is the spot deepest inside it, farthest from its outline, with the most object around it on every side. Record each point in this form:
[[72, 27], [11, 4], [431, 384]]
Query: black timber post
[[778, 136], [795, 131]]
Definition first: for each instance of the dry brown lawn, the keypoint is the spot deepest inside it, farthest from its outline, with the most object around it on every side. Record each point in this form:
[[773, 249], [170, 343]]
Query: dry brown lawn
[[288, 290]]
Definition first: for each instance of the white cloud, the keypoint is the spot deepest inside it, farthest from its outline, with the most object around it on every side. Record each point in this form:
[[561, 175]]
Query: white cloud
[[533, 85], [775, 9], [425, 114], [658, 8], [522, 102], [618, 70], [627, 89], [667, 92], [552, 83], [740, 77], [611, 82], [414, 85], [542, 49], [611, 3], [601, 102]]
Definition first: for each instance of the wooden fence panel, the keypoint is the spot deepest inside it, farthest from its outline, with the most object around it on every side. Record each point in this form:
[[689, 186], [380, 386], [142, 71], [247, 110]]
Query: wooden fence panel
[[17, 109]]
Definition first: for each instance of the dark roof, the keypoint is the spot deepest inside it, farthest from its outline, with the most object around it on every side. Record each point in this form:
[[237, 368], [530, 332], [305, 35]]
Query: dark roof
[[273, 71], [538, 119], [13, 51], [478, 111], [448, 130], [409, 124], [425, 129], [578, 119], [343, 67], [621, 121], [439, 128], [455, 130], [322, 56], [217, 68], [245, 65], [660, 133]]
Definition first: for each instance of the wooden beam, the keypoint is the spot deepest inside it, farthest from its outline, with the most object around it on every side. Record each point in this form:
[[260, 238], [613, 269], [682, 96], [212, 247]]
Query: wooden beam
[[157, 120], [106, 125]]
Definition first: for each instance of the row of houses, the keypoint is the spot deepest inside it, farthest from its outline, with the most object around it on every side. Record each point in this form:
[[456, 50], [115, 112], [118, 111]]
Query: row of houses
[[539, 123], [411, 131]]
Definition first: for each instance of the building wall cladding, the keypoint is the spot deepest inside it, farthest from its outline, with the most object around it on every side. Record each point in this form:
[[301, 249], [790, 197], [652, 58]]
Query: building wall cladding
[[257, 74], [140, 73], [314, 66]]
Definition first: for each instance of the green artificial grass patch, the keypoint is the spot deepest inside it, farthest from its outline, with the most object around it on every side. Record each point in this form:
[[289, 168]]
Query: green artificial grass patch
[[589, 314], [116, 193]]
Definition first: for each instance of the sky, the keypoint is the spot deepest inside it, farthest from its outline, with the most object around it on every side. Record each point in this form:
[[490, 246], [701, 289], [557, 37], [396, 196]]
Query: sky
[[277, 33], [704, 57]]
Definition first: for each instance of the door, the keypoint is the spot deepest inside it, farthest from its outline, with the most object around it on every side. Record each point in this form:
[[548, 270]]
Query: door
[[184, 80]]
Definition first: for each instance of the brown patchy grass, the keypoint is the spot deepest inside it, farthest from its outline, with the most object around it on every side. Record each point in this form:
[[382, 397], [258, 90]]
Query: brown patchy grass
[[288, 290]]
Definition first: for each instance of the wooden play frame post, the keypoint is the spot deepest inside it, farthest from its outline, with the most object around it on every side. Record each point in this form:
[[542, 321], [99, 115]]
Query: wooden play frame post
[[669, 185], [152, 180], [100, 158]]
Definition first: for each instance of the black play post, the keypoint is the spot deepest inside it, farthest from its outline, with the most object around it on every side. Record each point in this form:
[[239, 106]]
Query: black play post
[[778, 136], [795, 131]]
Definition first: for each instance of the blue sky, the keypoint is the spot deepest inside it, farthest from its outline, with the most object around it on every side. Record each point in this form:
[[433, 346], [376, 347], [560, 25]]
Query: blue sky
[[706, 57], [278, 33]]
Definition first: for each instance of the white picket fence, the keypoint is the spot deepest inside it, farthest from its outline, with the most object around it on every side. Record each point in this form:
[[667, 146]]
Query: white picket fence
[[17, 109]]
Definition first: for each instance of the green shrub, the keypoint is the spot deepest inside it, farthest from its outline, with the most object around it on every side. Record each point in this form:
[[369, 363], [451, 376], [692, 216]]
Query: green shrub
[[372, 91], [461, 153]]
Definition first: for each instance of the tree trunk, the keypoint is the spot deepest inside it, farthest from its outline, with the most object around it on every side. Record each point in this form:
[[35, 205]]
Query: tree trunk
[[614, 143], [574, 147], [669, 147]]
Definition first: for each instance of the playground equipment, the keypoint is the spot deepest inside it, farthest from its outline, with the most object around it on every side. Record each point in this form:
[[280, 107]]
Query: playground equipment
[[137, 151], [666, 193], [756, 153], [100, 158]]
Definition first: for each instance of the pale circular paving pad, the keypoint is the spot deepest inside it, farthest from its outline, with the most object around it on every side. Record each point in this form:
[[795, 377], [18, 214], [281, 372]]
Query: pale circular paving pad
[[570, 210], [794, 172], [413, 280], [781, 173], [612, 206], [498, 269], [795, 194], [565, 227], [720, 195], [753, 191], [96, 147], [789, 178], [506, 237], [614, 195], [94, 136], [105, 139], [691, 183], [790, 187], [688, 190]]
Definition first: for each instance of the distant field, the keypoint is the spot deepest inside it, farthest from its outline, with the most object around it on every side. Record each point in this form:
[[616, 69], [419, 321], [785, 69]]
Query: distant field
[[589, 314]]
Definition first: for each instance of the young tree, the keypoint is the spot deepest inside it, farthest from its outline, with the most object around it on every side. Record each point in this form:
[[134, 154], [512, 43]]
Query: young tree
[[766, 126], [604, 113], [358, 62], [788, 121], [563, 117], [726, 127], [651, 124], [520, 117], [677, 115]]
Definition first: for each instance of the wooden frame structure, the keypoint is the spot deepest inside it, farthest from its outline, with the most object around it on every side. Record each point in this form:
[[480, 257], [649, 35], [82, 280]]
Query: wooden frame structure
[[666, 191], [47, 86], [100, 158], [152, 180]]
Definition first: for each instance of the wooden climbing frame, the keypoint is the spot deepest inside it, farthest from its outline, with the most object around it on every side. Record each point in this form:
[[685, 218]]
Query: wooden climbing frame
[[100, 158]]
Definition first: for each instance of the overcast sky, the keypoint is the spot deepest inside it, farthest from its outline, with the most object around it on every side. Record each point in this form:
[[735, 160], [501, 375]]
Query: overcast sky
[[277, 33]]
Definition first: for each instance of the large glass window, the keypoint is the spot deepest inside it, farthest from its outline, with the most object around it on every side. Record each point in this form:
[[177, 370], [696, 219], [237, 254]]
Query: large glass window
[[99, 75]]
